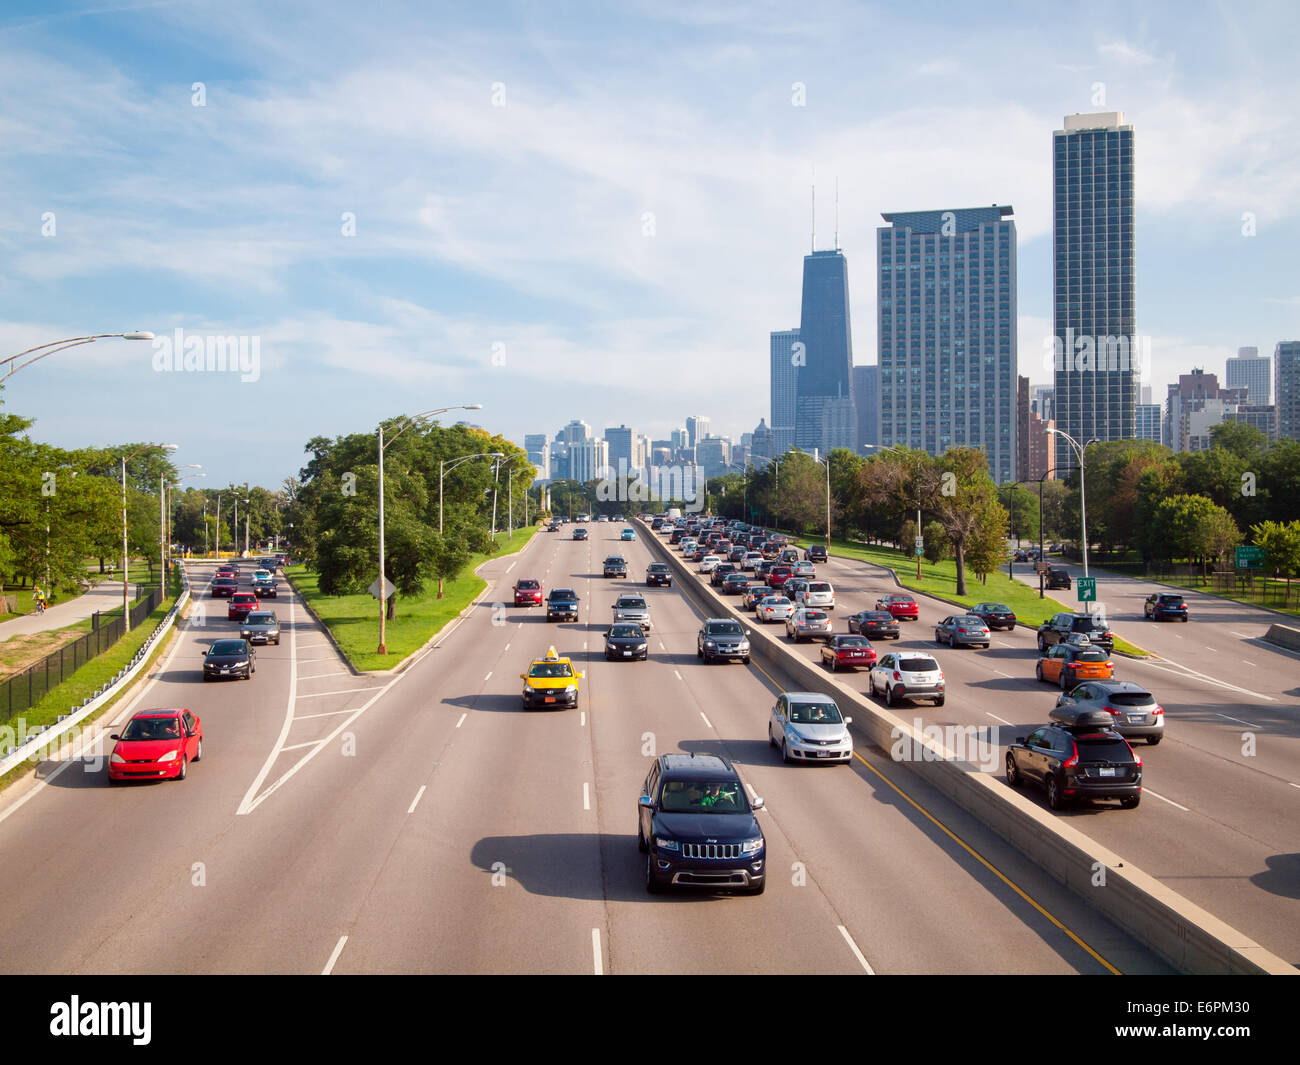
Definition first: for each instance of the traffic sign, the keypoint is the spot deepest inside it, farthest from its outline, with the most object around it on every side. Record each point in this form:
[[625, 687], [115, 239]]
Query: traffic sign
[[1249, 557], [1087, 587], [920, 547], [388, 588]]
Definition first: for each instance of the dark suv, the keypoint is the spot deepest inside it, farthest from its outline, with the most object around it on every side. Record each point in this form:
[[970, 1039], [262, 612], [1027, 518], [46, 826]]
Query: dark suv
[[658, 573], [562, 605], [615, 566], [1057, 578], [1165, 605], [722, 638], [815, 553], [1083, 761], [1058, 627], [696, 826]]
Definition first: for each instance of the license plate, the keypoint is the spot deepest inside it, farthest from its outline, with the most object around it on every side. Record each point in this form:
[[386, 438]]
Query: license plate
[[1137, 719], [821, 754], [225, 669], [627, 654], [550, 698], [1106, 772]]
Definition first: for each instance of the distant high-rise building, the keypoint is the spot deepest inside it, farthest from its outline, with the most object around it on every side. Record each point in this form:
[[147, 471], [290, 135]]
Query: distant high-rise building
[[679, 439], [1093, 280], [947, 330], [697, 428], [764, 442], [1023, 414], [538, 447], [620, 441], [713, 453], [1149, 422], [589, 460], [1286, 387], [824, 417], [1194, 405], [1252, 371], [1263, 416], [866, 400], [575, 432], [784, 378], [1042, 402], [1145, 393]]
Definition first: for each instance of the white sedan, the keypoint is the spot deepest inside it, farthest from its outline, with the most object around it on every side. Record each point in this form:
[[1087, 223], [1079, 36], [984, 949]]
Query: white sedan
[[752, 559], [773, 608], [709, 563]]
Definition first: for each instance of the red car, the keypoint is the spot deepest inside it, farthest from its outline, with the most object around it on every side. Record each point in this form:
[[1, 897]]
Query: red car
[[528, 592], [241, 605], [847, 652], [779, 575], [899, 606], [226, 571], [156, 745]]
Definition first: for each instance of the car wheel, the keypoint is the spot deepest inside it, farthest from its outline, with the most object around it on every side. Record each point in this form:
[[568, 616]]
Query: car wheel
[[1038, 671], [834, 664], [785, 752], [1054, 797], [890, 698], [771, 740], [1153, 740], [184, 767], [1063, 687], [1184, 619], [1129, 802], [1013, 774], [1042, 644], [699, 651], [939, 701], [198, 751], [745, 661], [206, 678], [641, 844], [653, 886]]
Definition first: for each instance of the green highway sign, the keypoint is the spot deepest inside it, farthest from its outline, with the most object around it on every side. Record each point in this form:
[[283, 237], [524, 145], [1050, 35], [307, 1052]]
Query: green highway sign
[[1249, 557], [1087, 587]]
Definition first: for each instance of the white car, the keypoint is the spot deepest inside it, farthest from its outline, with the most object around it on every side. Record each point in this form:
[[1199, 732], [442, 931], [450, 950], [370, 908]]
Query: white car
[[818, 594], [687, 544], [807, 727], [709, 563], [906, 675], [773, 608], [752, 559]]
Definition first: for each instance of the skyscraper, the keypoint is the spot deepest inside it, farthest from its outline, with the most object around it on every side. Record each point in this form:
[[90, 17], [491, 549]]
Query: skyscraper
[[697, 428], [1286, 386], [947, 329], [784, 387], [1094, 317], [866, 399], [1148, 422], [824, 416], [620, 441], [1252, 371]]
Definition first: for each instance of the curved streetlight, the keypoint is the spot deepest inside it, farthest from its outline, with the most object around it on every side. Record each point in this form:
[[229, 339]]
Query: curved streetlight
[[1080, 449], [126, 608], [414, 419], [39, 352]]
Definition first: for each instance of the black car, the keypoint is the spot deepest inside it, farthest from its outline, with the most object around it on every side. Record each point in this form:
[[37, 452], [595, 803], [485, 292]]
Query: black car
[[224, 587], [562, 605], [229, 659], [815, 553], [1084, 761], [735, 584], [721, 570], [658, 573], [625, 641], [696, 826], [995, 615], [615, 566], [1057, 578], [1165, 605], [579, 534], [1058, 627], [722, 638], [875, 625], [677, 536]]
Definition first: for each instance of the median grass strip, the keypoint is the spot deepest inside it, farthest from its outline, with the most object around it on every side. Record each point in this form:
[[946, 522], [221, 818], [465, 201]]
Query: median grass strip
[[941, 580], [353, 620]]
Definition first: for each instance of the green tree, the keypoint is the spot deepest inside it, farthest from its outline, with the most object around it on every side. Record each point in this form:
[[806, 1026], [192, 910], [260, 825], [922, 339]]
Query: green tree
[[987, 545], [1281, 545], [936, 544], [965, 492]]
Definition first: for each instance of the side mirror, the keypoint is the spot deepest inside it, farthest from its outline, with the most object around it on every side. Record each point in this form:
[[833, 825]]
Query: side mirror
[[115, 736], [757, 804], [1020, 739], [581, 675], [646, 801], [523, 676], [848, 721]]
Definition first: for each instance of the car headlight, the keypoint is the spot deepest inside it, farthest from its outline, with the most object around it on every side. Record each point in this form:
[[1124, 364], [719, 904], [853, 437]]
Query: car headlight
[[639, 647], [743, 645], [793, 734], [666, 844], [709, 643], [570, 688], [529, 688], [117, 758], [170, 756], [752, 846]]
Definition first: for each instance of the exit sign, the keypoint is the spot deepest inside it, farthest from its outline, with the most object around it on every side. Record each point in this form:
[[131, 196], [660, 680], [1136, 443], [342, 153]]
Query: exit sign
[[1249, 557], [1087, 587]]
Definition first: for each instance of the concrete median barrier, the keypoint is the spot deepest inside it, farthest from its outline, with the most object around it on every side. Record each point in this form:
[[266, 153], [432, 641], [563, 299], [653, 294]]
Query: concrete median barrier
[[1284, 636], [1188, 937]]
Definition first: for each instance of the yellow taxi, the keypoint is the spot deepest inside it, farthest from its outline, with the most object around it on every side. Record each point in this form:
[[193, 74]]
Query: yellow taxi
[[551, 681], [1068, 664]]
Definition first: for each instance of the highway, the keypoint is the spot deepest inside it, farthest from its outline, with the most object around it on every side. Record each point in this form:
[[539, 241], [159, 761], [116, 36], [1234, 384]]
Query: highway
[[423, 822], [1217, 824]]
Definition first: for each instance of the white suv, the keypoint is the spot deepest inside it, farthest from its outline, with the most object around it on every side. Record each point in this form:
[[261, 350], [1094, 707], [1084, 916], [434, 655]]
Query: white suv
[[818, 594], [907, 675]]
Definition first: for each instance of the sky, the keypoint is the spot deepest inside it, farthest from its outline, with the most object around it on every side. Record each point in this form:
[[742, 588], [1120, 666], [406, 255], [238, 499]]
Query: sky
[[581, 210]]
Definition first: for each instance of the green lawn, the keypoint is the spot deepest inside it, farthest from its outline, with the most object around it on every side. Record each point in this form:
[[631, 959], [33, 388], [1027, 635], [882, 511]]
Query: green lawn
[[354, 619], [941, 580]]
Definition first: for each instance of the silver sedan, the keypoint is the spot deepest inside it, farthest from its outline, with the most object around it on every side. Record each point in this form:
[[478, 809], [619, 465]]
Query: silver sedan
[[773, 608], [808, 625]]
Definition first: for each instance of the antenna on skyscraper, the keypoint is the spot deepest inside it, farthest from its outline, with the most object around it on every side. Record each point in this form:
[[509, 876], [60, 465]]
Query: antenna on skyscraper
[[813, 243]]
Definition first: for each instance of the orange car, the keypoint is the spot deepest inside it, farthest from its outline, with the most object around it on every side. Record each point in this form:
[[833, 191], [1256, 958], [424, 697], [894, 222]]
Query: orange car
[[1069, 664]]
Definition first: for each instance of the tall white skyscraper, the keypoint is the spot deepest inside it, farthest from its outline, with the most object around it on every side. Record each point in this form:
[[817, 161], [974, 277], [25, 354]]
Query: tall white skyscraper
[[1253, 372]]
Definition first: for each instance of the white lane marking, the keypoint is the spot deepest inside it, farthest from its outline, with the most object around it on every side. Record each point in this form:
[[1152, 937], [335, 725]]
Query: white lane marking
[[582, 718], [597, 958], [586, 795], [1212, 649], [677, 675], [328, 713], [707, 722], [1184, 672], [856, 953], [298, 746], [1001, 674], [996, 718], [246, 804], [488, 677], [462, 719], [338, 949], [1171, 802], [511, 566], [337, 691], [1246, 661], [418, 795], [1293, 785], [661, 646], [584, 645], [317, 676], [1241, 634], [330, 658], [521, 624], [1238, 720], [1176, 636], [507, 647]]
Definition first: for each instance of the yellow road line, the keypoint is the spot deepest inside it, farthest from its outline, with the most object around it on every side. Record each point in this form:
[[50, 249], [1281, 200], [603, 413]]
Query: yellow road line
[[968, 848]]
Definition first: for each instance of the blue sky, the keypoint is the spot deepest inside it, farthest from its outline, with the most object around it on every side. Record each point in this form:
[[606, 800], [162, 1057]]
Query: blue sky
[[582, 210]]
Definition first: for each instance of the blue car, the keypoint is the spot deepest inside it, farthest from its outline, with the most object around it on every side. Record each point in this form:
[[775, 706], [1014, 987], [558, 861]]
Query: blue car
[[628, 534]]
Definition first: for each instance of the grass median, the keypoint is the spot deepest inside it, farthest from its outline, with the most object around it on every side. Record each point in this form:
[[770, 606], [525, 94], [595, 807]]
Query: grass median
[[353, 620]]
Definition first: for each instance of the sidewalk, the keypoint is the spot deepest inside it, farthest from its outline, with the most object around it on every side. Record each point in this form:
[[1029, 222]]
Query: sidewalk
[[104, 596]]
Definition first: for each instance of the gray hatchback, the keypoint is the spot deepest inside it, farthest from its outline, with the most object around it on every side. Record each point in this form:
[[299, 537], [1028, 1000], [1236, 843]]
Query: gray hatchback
[[1133, 710], [261, 626]]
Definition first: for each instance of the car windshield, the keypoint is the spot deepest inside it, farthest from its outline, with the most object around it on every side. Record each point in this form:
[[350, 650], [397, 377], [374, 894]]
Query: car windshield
[[261, 574], [527, 586], [618, 632], [658, 567], [1088, 625], [260, 619], [851, 641], [722, 628], [815, 714], [614, 559], [878, 615], [918, 665], [1171, 598], [227, 647], [152, 728], [696, 796], [245, 597], [223, 581], [996, 608], [1099, 748], [562, 593], [970, 619], [631, 604], [551, 670]]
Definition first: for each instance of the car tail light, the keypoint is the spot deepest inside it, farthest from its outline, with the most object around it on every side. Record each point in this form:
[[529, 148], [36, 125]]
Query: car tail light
[[897, 675], [1073, 760], [1111, 710], [1158, 710]]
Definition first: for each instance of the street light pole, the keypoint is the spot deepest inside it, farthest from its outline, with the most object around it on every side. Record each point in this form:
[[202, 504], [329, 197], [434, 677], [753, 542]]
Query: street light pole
[[1080, 450], [41, 350], [126, 606]]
